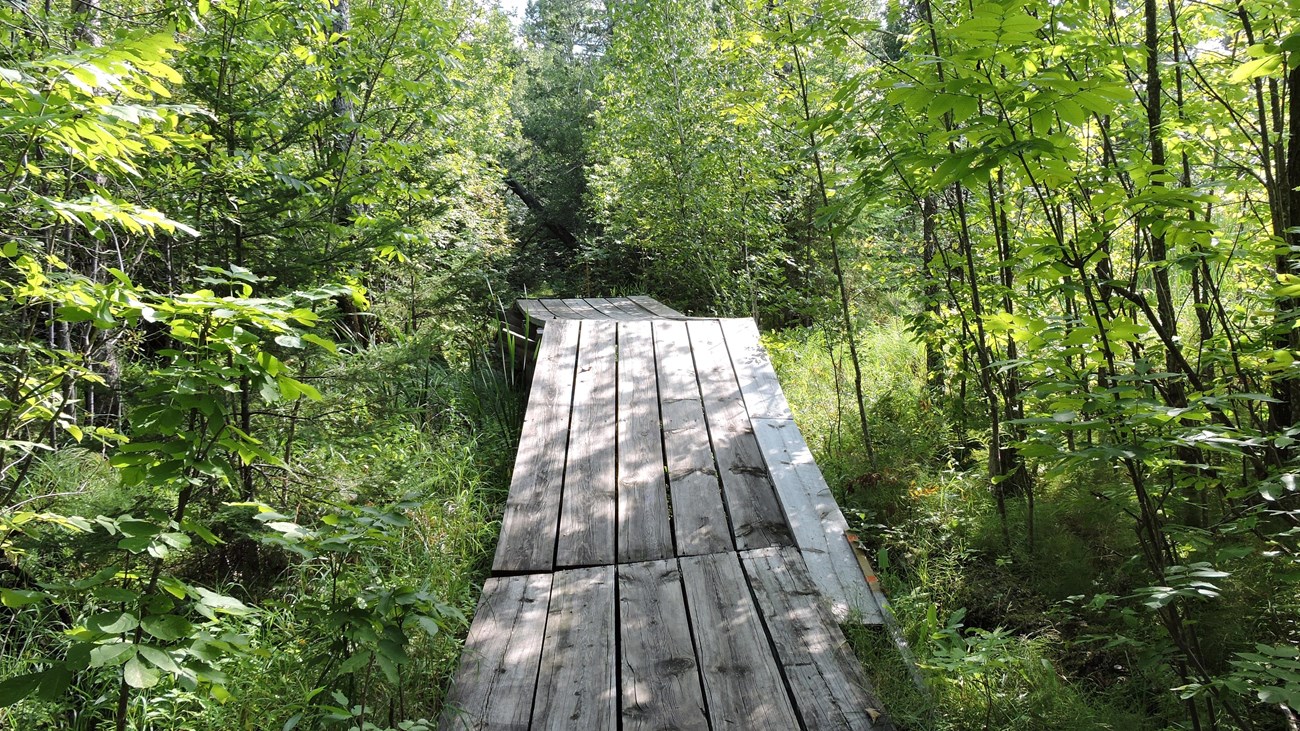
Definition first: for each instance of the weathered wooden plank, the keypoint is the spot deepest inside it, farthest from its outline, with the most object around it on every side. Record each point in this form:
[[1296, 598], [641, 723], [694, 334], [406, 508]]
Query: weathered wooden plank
[[673, 358], [756, 516], [699, 516], [826, 681], [660, 678], [606, 308], [559, 308], [494, 685], [576, 684], [764, 398], [644, 529], [584, 310], [527, 541], [587, 511], [742, 683], [816, 521], [534, 310], [630, 310], [656, 307]]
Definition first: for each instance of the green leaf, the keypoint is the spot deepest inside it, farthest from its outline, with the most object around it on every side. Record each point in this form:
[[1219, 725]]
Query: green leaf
[[17, 688], [110, 653], [138, 528], [135, 545], [222, 603], [54, 682], [356, 662], [113, 623], [292, 531], [201, 531], [161, 659], [1256, 68], [14, 598], [427, 624], [269, 390], [393, 651], [167, 627], [292, 388], [138, 675], [321, 342]]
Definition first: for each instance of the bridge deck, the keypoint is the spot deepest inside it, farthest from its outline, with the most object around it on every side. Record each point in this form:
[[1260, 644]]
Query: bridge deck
[[670, 556], [597, 308]]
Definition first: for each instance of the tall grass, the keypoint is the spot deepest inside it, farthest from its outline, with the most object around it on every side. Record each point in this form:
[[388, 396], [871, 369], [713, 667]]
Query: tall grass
[[994, 646], [412, 431]]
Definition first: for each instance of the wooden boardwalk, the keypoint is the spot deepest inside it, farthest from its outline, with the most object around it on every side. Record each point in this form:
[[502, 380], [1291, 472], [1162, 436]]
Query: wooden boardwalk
[[597, 308], [670, 556]]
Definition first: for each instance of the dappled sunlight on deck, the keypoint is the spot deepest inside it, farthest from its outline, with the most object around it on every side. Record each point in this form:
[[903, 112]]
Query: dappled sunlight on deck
[[670, 556]]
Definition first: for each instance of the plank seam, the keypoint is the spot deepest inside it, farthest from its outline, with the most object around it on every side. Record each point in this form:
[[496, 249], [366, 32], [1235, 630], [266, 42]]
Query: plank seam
[[713, 451], [695, 643], [618, 472], [546, 618], [771, 638], [618, 615], [564, 464], [663, 444], [618, 478], [600, 305]]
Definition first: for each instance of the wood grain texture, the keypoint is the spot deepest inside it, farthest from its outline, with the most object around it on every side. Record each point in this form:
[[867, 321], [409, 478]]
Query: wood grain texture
[[630, 310], [644, 529], [699, 515], [655, 307], [560, 309], [527, 540], [583, 309], [742, 683], [587, 510], [673, 358], [756, 516], [660, 677], [606, 308], [576, 683], [763, 396], [494, 685], [816, 521], [534, 310], [829, 689]]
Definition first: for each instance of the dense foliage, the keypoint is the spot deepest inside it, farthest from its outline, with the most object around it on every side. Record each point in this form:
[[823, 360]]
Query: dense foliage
[[1085, 213], [247, 248], [1032, 268]]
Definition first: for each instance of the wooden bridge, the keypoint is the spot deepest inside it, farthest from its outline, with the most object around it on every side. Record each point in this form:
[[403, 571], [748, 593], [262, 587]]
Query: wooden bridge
[[670, 555]]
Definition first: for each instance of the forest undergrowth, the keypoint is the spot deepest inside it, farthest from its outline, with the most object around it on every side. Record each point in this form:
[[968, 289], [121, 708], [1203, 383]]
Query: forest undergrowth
[[1004, 637], [347, 610]]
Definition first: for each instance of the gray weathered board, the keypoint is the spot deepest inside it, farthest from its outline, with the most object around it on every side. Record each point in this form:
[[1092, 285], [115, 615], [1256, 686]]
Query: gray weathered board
[[496, 681], [644, 527], [722, 640], [670, 555], [576, 679], [528, 528], [825, 679], [587, 512], [596, 308], [660, 676]]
